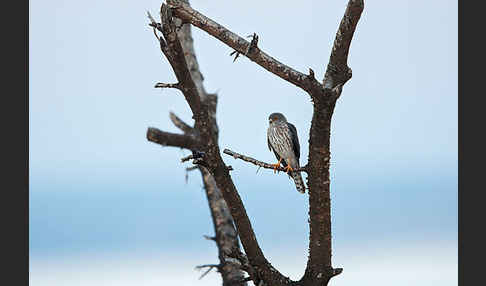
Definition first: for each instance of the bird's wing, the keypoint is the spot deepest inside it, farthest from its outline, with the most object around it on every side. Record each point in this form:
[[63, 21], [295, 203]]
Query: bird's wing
[[295, 140]]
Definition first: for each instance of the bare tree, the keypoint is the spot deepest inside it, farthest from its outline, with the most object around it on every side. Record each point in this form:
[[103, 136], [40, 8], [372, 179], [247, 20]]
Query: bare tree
[[226, 207]]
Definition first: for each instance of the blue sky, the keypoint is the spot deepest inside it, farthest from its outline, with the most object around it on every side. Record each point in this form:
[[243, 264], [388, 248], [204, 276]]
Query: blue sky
[[98, 187]]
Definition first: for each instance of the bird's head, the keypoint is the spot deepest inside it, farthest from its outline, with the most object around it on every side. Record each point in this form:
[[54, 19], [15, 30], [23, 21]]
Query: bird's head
[[276, 117]]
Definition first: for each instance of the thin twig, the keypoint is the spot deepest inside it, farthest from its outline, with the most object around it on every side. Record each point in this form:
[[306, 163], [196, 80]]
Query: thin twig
[[311, 74], [337, 271], [209, 266], [156, 26], [237, 54], [260, 163], [195, 155], [186, 177], [152, 20], [179, 123], [210, 237], [253, 44], [168, 85], [187, 158]]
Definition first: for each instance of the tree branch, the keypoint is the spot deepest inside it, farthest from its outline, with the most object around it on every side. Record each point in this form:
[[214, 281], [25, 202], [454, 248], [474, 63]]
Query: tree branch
[[208, 132], [263, 269], [184, 35], [338, 72], [319, 267], [179, 123], [242, 46], [260, 163], [323, 107], [179, 50], [174, 53], [324, 96], [167, 85], [225, 237], [196, 155], [171, 139], [209, 266]]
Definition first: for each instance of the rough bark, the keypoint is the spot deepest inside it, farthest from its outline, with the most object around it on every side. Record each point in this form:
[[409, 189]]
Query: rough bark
[[225, 237], [319, 268], [177, 46]]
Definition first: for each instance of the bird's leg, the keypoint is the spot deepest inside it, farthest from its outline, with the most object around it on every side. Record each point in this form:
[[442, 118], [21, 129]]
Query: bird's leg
[[277, 165], [288, 169]]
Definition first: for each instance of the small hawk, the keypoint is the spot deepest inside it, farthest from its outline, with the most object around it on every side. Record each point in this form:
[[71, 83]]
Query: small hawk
[[283, 141]]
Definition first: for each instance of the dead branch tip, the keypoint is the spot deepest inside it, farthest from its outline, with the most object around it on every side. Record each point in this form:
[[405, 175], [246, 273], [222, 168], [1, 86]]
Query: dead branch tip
[[167, 85], [209, 266]]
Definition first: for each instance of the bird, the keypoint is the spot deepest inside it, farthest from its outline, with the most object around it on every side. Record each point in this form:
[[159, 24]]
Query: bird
[[282, 139]]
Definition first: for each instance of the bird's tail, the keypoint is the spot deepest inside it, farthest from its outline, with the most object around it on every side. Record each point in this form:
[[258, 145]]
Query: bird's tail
[[299, 183]]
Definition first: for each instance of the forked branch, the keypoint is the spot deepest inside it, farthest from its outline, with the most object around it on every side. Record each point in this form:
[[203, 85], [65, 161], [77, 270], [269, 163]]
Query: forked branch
[[319, 268], [179, 123], [187, 14], [324, 95]]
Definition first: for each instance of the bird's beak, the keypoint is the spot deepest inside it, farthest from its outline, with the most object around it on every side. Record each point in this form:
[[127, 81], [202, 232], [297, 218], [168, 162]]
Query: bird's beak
[[270, 121]]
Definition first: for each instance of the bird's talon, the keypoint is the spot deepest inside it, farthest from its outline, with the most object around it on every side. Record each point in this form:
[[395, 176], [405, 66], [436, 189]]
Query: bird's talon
[[288, 169], [276, 166]]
